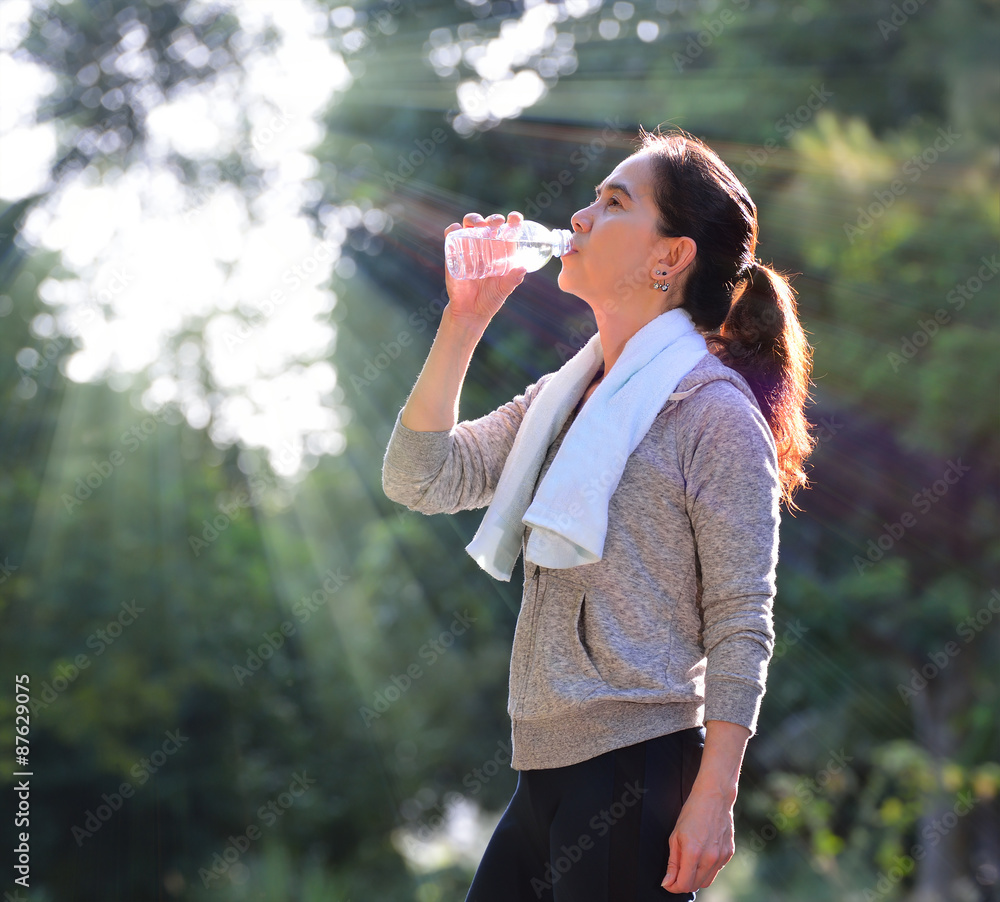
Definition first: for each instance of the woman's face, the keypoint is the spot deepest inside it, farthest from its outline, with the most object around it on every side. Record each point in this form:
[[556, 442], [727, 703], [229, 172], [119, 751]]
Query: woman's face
[[616, 244]]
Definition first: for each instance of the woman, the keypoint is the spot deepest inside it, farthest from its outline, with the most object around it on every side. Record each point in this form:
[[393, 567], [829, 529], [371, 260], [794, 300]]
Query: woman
[[650, 543]]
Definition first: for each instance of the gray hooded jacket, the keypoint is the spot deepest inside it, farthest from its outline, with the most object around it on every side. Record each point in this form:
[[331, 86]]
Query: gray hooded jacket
[[674, 625]]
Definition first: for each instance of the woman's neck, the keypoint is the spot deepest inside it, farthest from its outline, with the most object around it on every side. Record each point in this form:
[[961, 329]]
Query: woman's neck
[[618, 327]]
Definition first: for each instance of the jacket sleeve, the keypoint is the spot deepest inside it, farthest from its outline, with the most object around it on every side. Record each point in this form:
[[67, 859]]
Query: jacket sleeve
[[732, 490], [445, 472]]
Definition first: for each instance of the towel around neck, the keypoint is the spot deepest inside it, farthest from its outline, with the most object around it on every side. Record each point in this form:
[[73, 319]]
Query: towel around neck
[[569, 512]]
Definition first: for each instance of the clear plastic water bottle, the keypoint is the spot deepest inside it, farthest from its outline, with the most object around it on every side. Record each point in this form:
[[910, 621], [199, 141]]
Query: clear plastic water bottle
[[485, 252]]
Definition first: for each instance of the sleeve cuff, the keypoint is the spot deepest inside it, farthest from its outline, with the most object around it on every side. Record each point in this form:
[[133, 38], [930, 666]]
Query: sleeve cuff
[[733, 701]]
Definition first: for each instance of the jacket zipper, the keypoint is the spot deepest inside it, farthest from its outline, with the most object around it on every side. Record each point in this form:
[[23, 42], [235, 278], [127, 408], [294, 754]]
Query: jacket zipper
[[519, 702]]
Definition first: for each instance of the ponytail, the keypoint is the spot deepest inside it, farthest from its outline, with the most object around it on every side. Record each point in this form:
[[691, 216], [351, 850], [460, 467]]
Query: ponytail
[[764, 342]]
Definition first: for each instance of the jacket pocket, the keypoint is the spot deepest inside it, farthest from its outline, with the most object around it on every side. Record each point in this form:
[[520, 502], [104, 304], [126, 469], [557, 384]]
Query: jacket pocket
[[558, 673], [629, 641], [582, 650]]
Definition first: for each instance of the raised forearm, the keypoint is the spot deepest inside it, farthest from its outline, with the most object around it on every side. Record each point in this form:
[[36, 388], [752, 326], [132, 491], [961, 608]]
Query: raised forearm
[[433, 403]]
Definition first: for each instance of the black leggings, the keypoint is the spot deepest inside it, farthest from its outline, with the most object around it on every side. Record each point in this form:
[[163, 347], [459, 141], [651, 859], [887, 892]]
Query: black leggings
[[595, 831]]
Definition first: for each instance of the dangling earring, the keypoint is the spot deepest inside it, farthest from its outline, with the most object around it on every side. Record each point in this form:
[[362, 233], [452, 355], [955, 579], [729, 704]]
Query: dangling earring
[[663, 286]]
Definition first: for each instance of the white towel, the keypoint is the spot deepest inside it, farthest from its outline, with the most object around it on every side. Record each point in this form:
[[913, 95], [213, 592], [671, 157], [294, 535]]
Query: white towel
[[569, 513]]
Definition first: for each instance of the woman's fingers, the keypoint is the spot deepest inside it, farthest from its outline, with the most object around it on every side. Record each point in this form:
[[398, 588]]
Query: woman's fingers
[[476, 220], [470, 221]]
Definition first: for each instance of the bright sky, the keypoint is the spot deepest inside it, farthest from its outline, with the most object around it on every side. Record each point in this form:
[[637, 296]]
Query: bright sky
[[151, 260]]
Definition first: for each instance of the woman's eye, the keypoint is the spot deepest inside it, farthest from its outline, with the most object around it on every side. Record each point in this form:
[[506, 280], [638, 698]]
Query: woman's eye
[[613, 201]]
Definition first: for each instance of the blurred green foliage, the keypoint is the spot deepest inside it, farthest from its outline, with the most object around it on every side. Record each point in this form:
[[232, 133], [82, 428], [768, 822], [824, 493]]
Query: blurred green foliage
[[881, 712]]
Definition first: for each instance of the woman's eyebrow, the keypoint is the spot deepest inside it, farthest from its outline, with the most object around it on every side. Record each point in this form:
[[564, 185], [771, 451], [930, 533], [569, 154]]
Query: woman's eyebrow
[[614, 186]]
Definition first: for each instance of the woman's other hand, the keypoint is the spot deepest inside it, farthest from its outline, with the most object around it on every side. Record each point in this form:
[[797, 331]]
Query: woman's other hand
[[701, 844], [703, 840]]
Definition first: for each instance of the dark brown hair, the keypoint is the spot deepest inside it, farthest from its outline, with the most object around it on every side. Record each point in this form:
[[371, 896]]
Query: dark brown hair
[[746, 310]]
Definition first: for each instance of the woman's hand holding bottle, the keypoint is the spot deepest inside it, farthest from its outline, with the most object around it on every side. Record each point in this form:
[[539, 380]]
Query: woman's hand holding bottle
[[476, 301], [433, 403]]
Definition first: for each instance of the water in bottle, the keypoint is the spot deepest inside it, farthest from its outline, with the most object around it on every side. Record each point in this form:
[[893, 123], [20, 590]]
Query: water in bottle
[[485, 252]]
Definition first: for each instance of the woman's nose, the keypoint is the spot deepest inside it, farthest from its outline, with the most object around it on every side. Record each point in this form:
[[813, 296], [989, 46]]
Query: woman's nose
[[580, 221]]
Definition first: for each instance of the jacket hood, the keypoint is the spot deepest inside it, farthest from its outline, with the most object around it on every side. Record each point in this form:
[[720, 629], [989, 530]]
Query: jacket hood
[[711, 369]]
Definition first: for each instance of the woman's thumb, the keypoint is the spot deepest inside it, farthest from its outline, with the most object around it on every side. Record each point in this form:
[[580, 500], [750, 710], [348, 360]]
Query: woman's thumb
[[672, 864], [516, 276], [510, 280]]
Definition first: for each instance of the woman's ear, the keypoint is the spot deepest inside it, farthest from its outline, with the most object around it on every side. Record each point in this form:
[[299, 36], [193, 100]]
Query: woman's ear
[[682, 253], [676, 255]]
